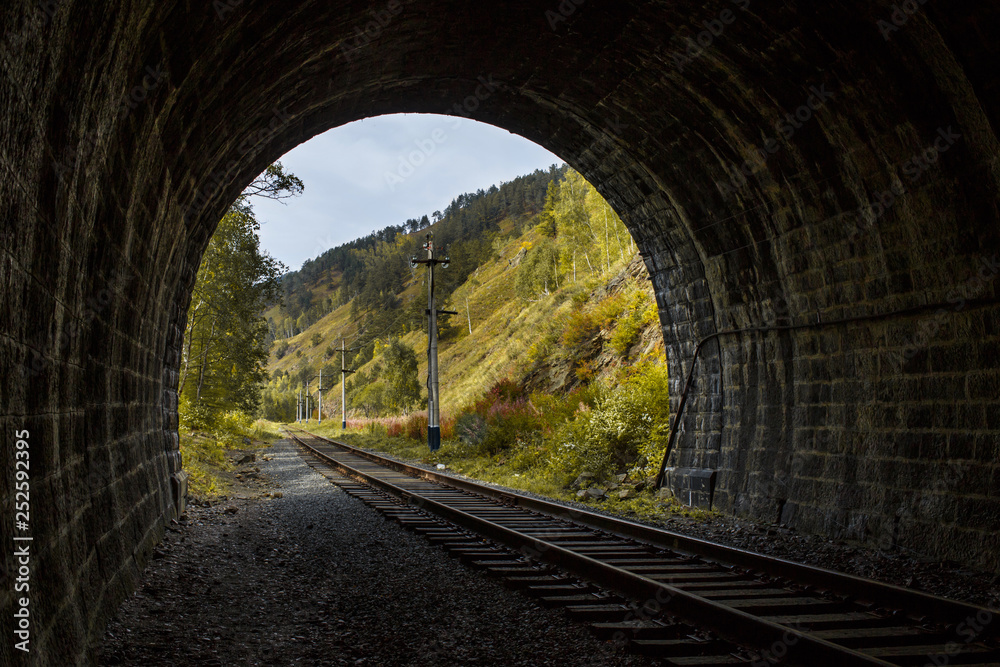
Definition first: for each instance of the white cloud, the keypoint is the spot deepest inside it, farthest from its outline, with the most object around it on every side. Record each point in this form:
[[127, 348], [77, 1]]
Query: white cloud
[[346, 191]]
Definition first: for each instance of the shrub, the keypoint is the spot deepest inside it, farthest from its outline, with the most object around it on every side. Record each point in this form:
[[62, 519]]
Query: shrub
[[470, 428], [376, 427], [610, 310], [505, 390], [625, 334], [543, 345], [579, 328], [396, 427], [233, 427], [195, 416], [553, 411], [510, 423], [641, 312], [610, 428], [447, 428], [498, 420], [416, 426]]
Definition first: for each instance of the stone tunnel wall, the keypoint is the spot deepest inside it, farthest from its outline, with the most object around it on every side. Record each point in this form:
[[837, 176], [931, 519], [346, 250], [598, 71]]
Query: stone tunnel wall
[[126, 130]]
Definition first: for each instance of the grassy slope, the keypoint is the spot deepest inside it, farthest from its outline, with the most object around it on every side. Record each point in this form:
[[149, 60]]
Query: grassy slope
[[329, 327]]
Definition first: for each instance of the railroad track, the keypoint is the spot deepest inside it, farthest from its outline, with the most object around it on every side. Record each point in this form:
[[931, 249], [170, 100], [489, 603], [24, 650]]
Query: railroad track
[[677, 598]]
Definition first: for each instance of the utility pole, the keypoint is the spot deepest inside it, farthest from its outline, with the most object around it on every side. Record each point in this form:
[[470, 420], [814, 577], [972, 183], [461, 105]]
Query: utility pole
[[433, 405], [320, 391], [343, 383]]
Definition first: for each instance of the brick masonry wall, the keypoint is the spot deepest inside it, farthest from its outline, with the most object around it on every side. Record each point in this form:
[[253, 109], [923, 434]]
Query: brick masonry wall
[[126, 131]]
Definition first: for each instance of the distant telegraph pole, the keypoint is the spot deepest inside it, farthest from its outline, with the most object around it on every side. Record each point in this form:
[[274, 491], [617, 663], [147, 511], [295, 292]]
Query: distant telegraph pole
[[433, 405]]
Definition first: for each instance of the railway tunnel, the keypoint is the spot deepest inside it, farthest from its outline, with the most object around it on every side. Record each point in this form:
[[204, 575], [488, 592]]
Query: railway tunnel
[[813, 188]]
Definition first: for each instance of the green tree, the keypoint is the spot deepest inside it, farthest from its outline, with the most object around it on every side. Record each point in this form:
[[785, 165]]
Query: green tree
[[274, 183], [225, 348], [601, 215], [547, 218], [227, 336], [402, 388], [577, 233], [371, 395], [538, 273]]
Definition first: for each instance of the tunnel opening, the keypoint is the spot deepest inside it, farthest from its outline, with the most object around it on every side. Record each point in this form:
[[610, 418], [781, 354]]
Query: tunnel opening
[[806, 166], [337, 301]]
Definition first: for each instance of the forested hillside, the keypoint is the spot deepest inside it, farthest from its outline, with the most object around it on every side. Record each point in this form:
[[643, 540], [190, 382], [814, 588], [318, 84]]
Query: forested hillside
[[371, 272]]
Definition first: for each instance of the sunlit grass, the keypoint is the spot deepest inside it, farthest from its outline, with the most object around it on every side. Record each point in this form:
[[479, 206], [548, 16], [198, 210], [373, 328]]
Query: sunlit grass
[[532, 466], [204, 453], [205, 461]]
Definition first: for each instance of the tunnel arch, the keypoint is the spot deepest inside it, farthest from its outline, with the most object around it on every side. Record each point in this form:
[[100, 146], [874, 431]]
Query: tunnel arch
[[126, 133]]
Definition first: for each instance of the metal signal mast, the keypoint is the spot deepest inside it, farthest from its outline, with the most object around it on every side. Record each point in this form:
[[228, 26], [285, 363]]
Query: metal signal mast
[[433, 405], [344, 372]]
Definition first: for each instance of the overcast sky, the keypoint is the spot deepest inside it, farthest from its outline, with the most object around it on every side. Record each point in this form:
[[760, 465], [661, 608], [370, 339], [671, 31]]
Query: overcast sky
[[382, 171]]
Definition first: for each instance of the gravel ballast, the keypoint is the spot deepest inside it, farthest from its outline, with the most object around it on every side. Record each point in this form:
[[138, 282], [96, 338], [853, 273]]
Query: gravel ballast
[[315, 577], [892, 566]]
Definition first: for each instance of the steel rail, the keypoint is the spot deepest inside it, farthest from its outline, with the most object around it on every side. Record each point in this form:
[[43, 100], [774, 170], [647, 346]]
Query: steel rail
[[729, 623], [861, 589]]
